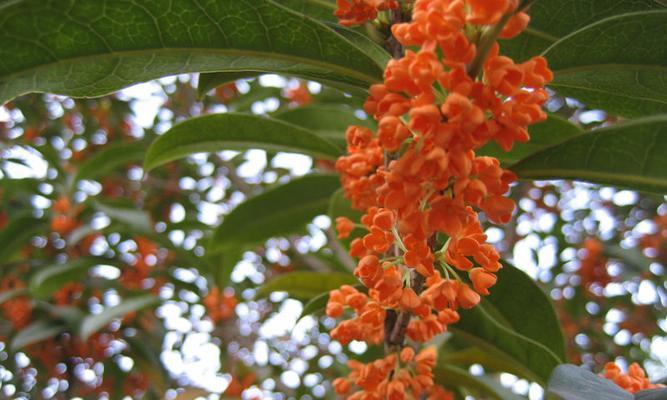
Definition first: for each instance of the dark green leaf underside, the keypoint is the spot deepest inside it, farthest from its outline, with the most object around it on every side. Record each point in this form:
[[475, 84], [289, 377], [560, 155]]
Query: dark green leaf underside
[[618, 64], [70, 47], [279, 211], [552, 131], [628, 155], [210, 133]]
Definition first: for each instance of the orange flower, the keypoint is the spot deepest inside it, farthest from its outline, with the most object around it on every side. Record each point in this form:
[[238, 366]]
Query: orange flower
[[634, 381], [344, 226]]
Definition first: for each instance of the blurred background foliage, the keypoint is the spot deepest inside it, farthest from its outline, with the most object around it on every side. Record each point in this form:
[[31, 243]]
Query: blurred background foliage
[[107, 291]]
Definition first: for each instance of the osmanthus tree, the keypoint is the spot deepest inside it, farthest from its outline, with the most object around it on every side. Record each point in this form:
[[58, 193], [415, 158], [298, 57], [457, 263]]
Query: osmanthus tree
[[426, 121]]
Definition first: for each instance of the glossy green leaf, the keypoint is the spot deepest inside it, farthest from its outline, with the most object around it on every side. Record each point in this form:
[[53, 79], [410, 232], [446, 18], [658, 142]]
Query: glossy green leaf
[[216, 132], [17, 233], [550, 132], [570, 382], [553, 19], [50, 278], [94, 322], [630, 155], [35, 333], [111, 158], [72, 48], [279, 211], [618, 64], [518, 322], [306, 285]]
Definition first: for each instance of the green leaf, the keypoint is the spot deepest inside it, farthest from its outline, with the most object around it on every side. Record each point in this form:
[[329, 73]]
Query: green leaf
[[35, 332], [306, 285], [279, 211], [137, 219], [111, 158], [94, 322], [316, 305], [552, 131], [452, 376], [554, 19], [216, 132], [570, 382], [630, 155], [618, 64], [517, 321], [330, 122], [72, 48], [340, 206], [17, 233], [318, 9], [50, 278]]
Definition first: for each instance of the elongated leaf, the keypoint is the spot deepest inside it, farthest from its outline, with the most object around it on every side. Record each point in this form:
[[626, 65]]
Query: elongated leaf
[[17, 233], [10, 294], [570, 382], [50, 278], [329, 122], [34, 333], [131, 217], [306, 285], [280, 211], [210, 133], [315, 306], [75, 49], [551, 20], [629, 155], [550, 132], [618, 64], [110, 158], [518, 322], [95, 322], [340, 206]]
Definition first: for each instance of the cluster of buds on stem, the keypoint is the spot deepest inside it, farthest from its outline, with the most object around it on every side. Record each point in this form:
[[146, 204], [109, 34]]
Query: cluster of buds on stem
[[421, 184]]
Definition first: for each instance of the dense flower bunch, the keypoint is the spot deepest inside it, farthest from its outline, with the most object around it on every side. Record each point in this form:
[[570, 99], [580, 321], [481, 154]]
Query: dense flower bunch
[[418, 180], [220, 305], [355, 12], [634, 381]]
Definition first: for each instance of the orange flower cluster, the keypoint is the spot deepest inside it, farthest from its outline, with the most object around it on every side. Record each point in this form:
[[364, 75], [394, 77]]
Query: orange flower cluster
[[355, 12], [220, 305], [634, 381], [393, 377], [64, 219], [299, 96], [147, 256], [418, 177], [593, 268], [17, 310], [656, 243]]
